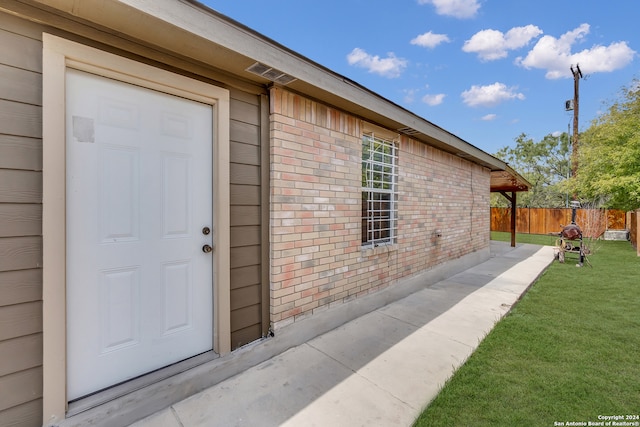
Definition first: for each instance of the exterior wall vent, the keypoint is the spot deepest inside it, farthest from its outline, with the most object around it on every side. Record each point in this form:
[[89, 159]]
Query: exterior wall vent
[[271, 73], [408, 131]]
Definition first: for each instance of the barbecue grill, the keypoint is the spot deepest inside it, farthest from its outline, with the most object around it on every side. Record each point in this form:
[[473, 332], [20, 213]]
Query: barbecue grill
[[570, 240]]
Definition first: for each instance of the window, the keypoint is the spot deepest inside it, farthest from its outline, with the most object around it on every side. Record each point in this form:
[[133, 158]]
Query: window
[[379, 193]]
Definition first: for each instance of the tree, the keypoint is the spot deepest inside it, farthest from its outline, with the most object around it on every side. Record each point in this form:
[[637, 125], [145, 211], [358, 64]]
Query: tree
[[609, 155], [545, 164]]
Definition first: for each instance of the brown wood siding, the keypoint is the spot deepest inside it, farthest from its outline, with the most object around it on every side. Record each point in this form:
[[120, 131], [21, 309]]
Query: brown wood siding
[[20, 286], [21, 353], [20, 85], [21, 213], [245, 276], [18, 47], [19, 219], [20, 387], [20, 119], [20, 152], [20, 223], [19, 320], [27, 414], [246, 220]]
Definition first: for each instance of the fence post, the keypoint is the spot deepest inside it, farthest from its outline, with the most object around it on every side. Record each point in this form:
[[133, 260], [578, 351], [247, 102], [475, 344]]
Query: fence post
[[513, 218], [637, 215]]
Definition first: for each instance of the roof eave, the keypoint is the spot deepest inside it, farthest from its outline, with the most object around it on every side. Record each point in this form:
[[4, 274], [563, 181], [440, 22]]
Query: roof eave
[[230, 46]]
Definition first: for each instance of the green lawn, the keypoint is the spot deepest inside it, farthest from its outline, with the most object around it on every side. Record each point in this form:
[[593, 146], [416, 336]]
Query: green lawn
[[569, 351], [536, 239]]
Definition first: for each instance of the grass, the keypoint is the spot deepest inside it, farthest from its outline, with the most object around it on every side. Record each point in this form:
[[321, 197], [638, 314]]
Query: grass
[[536, 239], [568, 351]]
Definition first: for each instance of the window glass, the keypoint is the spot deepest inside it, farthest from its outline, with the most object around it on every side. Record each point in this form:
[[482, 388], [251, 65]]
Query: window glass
[[379, 196]]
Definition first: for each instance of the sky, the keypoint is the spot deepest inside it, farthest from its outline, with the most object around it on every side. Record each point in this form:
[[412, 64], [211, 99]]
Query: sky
[[484, 70]]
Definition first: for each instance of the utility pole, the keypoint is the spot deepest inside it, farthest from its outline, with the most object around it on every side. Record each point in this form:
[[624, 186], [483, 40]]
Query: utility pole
[[577, 75]]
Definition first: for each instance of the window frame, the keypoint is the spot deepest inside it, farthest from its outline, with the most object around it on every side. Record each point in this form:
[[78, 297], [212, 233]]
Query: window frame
[[379, 191]]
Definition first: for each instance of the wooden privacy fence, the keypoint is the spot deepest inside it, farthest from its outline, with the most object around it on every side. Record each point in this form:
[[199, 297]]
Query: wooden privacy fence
[[593, 222], [634, 222]]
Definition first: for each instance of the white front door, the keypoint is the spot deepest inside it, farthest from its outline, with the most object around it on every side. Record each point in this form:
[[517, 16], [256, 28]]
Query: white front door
[[139, 203]]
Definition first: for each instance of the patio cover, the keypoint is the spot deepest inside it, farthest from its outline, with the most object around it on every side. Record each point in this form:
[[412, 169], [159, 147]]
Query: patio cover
[[505, 182]]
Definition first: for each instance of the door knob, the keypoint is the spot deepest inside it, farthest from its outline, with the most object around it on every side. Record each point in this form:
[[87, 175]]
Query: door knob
[[206, 249]]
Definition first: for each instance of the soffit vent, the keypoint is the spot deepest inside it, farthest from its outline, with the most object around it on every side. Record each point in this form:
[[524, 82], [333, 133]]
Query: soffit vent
[[409, 131], [271, 73]]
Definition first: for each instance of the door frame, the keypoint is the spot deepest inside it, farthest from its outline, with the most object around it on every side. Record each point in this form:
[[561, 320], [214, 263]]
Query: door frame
[[58, 55]]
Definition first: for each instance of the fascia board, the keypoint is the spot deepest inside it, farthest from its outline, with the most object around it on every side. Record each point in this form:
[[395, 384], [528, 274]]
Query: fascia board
[[205, 23]]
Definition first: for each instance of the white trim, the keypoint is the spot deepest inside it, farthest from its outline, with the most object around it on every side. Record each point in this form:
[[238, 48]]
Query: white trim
[[379, 174], [58, 55]]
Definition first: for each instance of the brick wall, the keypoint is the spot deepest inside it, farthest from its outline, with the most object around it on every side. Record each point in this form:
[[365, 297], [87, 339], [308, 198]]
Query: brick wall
[[316, 255]]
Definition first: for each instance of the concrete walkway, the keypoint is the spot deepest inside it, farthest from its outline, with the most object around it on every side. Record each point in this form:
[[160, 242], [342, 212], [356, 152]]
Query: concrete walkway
[[378, 370]]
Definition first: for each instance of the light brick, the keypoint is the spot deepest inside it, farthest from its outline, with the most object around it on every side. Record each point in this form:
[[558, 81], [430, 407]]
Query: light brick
[[316, 255]]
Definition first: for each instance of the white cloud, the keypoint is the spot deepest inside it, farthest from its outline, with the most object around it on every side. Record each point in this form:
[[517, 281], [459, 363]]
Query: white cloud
[[457, 8], [410, 95], [433, 100], [430, 40], [490, 95], [493, 44], [391, 66], [489, 117], [556, 134], [555, 56]]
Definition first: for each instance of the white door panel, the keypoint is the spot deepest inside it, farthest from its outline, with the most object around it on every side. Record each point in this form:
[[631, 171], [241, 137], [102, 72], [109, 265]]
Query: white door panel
[[139, 192]]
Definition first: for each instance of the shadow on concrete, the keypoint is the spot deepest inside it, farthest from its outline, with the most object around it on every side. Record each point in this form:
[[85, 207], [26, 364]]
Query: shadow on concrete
[[379, 369]]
